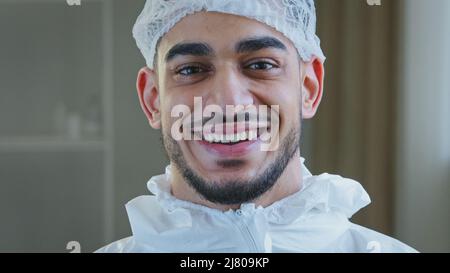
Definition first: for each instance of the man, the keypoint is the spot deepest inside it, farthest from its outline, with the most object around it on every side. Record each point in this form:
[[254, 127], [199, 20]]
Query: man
[[240, 184]]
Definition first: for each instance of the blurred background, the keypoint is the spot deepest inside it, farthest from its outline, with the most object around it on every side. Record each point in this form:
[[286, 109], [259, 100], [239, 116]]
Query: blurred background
[[75, 146]]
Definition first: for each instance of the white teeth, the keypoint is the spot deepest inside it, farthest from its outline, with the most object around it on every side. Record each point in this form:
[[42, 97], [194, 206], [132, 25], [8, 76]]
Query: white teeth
[[222, 138], [229, 138], [219, 138], [209, 138], [252, 135], [243, 136]]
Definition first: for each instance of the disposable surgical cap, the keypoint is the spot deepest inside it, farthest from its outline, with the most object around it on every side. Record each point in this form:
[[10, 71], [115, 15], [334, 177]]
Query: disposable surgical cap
[[296, 19]]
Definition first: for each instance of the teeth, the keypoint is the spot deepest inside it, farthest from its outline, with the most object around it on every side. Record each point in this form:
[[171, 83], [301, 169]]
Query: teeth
[[229, 138], [219, 138], [252, 135], [243, 136], [209, 138]]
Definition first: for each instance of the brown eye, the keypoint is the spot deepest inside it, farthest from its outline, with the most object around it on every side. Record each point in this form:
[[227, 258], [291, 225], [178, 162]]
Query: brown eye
[[261, 66], [189, 70]]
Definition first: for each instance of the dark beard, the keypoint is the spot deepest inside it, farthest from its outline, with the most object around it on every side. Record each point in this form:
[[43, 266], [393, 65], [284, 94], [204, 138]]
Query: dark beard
[[235, 191]]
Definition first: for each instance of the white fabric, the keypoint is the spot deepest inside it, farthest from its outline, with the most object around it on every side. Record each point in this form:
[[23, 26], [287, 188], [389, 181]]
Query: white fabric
[[315, 219], [296, 19]]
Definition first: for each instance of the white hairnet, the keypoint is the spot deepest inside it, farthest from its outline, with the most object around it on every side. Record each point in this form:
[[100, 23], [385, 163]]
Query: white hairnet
[[296, 19]]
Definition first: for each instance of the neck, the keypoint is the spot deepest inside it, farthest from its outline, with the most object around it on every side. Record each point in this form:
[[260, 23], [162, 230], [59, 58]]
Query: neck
[[287, 184]]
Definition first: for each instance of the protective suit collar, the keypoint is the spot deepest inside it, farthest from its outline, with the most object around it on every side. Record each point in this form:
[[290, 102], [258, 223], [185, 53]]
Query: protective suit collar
[[157, 219]]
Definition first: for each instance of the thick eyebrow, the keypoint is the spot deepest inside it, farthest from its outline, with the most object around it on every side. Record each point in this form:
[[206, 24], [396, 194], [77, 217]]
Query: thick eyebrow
[[258, 43], [195, 49], [243, 46]]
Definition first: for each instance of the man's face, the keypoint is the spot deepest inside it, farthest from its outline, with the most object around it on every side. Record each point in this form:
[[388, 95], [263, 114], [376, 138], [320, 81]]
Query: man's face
[[229, 60]]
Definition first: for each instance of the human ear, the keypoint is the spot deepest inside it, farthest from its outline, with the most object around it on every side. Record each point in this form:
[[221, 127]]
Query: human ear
[[148, 94], [312, 87]]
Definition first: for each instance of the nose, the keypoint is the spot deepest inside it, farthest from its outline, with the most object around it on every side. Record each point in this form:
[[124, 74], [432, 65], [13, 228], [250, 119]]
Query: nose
[[229, 87]]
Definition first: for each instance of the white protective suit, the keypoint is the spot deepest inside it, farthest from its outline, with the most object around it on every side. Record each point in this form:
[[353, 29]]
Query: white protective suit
[[315, 219]]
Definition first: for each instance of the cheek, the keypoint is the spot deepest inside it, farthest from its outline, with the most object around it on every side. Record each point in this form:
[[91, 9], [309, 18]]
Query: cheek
[[181, 105], [286, 96], [166, 117]]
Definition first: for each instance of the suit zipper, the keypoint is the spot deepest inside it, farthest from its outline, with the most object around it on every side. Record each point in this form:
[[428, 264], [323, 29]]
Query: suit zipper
[[243, 227]]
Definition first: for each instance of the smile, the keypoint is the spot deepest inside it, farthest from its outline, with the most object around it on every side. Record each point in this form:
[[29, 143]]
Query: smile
[[233, 144], [230, 139]]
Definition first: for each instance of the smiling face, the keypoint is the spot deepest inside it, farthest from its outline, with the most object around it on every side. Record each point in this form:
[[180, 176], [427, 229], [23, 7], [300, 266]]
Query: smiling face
[[229, 60]]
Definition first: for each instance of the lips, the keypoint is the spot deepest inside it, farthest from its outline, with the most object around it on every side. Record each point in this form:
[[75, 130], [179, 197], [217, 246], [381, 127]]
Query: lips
[[237, 143], [237, 149], [230, 140]]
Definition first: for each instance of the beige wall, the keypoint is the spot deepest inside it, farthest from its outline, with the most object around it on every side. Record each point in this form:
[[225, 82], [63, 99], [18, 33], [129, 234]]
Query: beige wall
[[353, 132], [422, 214]]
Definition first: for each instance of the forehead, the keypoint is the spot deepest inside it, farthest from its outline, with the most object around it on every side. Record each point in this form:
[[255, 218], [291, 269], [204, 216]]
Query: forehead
[[221, 31]]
